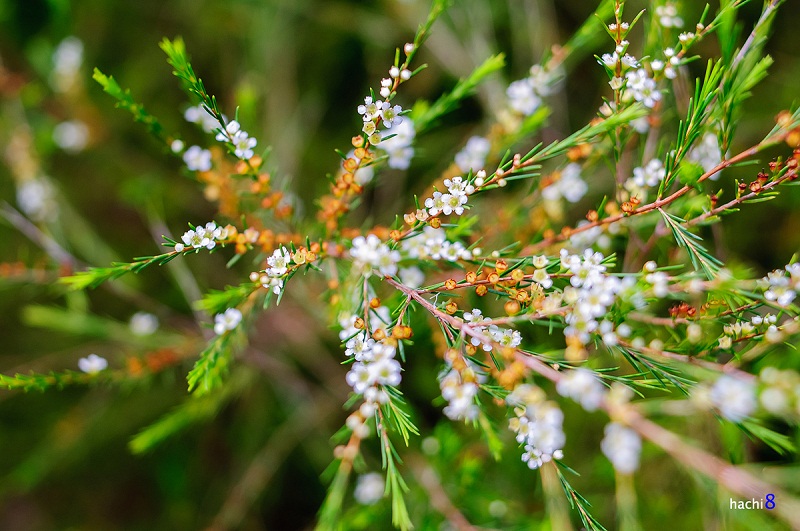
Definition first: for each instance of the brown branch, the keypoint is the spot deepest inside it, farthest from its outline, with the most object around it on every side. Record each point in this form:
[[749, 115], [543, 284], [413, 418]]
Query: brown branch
[[734, 479]]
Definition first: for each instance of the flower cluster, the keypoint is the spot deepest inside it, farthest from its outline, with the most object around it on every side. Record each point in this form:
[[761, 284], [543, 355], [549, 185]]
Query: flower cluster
[[202, 236], [432, 243], [582, 386], [538, 424], [590, 294], [505, 337], [622, 446], [782, 285], [733, 397], [641, 87], [460, 388], [374, 366], [758, 324], [668, 16], [226, 321], [644, 177], [375, 112], [243, 143], [452, 202], [668, 65], [370, 254], [277, 266], [525, 95]]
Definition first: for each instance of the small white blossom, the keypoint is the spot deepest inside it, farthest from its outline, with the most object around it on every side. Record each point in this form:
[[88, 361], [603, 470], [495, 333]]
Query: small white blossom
[[197, 159], [67, 60], [622, 446], [227, 320], [583, 386], [522, 97], [369, 488], [642, 88], [72, 136], [734, 397], [279, 262], [667, 16], [36, 198], [92, 364], [143, 324], [391, 116], [371, 254]]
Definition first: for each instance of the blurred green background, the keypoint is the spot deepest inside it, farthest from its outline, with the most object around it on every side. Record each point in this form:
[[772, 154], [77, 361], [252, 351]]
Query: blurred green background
[[296, 69]]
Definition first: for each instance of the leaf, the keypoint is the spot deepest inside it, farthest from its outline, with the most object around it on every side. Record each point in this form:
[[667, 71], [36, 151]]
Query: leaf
[[125, 101], [701, 258]]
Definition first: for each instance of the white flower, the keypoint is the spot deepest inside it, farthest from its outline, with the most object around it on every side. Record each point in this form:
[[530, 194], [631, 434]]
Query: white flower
[[226, 321], [199, 115], [435, 204], [538, 425], [570, 186], [391, 116], [371, 109], [36, 198], [642, 88], [459, 396], [399, 146], [622, 446], [279, 262], [143, 324], [734, 397], [583, 386], [92, 364], [369, 488], [370, 253], [71, 136], [522, 97], [780, 289], [473, 156], [67, 60], [243, 143], [197, 159]]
